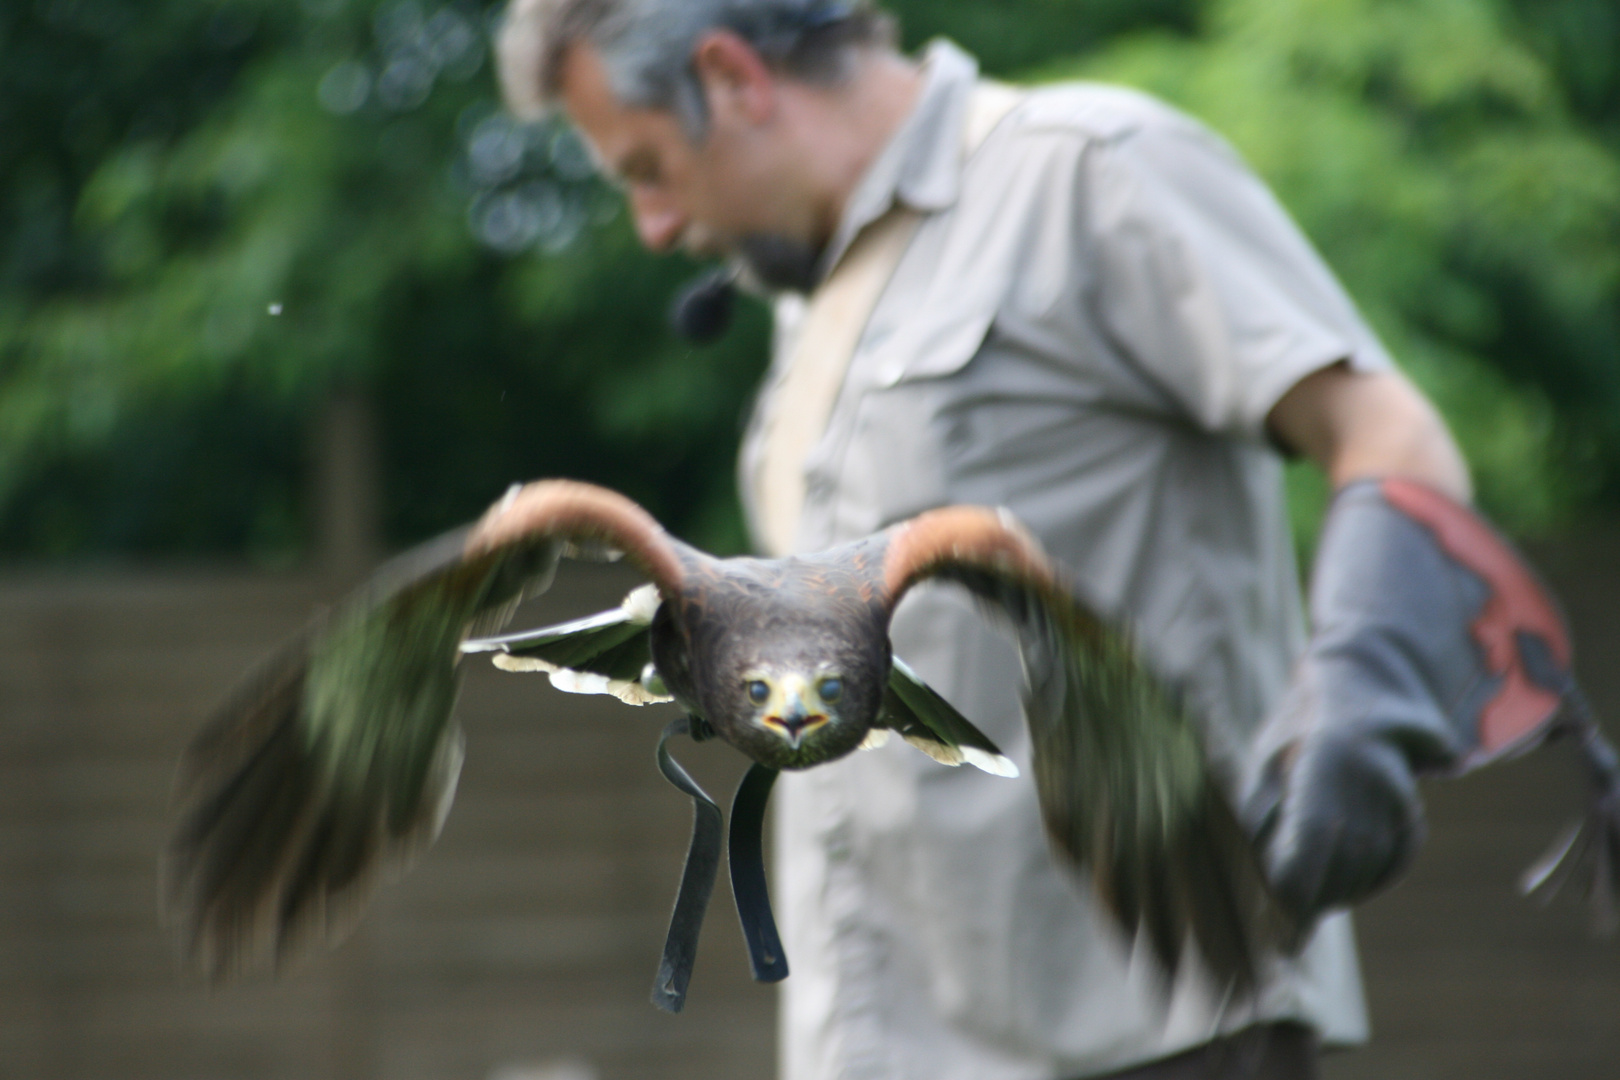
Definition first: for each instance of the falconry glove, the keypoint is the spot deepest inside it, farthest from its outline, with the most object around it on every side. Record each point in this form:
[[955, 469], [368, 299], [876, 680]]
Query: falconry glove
[[1435, 651]]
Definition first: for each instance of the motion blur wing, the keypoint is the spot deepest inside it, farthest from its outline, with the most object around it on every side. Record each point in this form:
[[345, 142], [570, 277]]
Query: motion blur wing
[[337, 760], [1125, 790]]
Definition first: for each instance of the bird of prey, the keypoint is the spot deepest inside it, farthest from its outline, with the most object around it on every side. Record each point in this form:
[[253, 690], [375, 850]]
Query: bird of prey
[[336, 762]]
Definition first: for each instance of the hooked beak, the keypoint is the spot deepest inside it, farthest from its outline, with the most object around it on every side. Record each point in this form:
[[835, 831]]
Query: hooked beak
[[792, 722]]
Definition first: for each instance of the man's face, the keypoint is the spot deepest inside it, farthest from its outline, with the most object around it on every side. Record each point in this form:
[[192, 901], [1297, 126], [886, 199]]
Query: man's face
[[725, 196]]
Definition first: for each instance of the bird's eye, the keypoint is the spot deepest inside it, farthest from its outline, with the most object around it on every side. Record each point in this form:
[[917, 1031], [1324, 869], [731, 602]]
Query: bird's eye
[[830, 689], [758, 692]]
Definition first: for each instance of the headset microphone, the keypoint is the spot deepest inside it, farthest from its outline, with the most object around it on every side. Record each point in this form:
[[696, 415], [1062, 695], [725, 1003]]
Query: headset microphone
[[702, 310]]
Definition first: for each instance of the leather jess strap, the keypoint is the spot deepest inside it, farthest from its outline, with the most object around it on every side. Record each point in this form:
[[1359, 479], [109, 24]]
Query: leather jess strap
[[697, 877], [748, 888], [748, 881]]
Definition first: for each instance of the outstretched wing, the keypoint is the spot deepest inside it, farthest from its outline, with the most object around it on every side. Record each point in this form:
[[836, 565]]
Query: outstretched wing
[[337, 760], [1124, 787], [931, 724], [605, 653]]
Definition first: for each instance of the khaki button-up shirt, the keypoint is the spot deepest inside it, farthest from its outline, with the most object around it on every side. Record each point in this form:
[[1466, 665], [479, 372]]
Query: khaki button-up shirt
[[1093, 320]]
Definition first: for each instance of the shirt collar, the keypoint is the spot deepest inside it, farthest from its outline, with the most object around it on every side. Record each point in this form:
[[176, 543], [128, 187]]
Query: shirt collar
[[920, 166]]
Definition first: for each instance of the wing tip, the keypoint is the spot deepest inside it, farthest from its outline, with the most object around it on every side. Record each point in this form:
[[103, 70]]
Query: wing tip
[[507, 662], [569, 681], [640, 605], [994, 764], [875, 739], [946, 754]]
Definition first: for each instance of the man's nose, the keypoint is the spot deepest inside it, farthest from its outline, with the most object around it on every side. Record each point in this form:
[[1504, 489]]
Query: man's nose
[[658, 224]]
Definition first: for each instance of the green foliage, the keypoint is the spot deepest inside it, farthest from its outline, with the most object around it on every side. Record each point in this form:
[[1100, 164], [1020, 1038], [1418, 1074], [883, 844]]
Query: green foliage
[[174, 171], [1009, 36], [327, 214], [1580, 41], [187, 164], [1433, 157]]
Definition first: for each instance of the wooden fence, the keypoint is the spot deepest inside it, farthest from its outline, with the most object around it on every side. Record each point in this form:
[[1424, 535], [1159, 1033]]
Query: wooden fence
[[523, 946]]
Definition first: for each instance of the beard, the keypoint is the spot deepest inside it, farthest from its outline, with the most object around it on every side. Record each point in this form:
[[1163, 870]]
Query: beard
[[780, 263]]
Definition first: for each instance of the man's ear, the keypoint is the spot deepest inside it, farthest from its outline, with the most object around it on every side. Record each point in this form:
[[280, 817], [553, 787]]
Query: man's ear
[[735, 78]]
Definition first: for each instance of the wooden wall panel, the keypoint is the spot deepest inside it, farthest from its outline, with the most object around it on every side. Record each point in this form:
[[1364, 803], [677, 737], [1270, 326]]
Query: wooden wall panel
[[1466, 980], [530, 933]]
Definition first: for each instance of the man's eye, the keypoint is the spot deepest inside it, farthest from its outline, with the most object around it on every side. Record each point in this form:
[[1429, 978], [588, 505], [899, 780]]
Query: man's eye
[[830, 689], [758, 692]]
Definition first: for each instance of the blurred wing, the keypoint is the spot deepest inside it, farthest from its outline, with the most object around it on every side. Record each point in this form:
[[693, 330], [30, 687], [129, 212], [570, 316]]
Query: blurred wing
[[605, 653], [338, 759], [931, 724], [1124, 787]]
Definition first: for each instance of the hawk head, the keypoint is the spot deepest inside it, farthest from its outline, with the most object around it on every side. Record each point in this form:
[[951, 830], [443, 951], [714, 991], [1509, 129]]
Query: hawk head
[[800, 686]]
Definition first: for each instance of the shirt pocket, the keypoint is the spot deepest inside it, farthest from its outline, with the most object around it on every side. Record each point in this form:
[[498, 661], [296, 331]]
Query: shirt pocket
[[887, 459], [929, 349]]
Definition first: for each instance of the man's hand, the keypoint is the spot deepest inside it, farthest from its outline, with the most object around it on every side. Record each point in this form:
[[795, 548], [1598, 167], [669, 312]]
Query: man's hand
[[1433, 649], [1339, 819], [1383, 690]]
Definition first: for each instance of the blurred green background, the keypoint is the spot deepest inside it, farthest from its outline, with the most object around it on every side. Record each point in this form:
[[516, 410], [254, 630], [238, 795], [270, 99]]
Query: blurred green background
[[224, 223], [215, 215]]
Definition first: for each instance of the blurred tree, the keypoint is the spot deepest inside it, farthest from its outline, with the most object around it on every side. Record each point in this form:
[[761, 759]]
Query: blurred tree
[[1580, 41], [214, 212], [214, 221], [1010, 37], [1436, 158]]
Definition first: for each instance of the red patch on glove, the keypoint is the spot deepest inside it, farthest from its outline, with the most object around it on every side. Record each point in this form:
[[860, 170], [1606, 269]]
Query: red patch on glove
[[1517, 604]]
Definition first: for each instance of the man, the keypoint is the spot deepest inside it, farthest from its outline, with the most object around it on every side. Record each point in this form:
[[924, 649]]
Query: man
[[1072, 302]]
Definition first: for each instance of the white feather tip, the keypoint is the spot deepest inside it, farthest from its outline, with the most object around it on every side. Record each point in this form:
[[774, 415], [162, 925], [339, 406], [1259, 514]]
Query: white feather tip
[[994, 764], [642, 604], [581, 682], [875, 738]]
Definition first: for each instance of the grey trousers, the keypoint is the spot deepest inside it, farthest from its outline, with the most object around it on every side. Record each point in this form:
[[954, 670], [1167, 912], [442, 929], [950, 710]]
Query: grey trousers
[[1278, 1051]]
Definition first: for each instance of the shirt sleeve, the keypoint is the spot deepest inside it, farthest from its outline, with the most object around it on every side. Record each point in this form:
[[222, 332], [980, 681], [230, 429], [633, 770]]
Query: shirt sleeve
[[1205, 282]]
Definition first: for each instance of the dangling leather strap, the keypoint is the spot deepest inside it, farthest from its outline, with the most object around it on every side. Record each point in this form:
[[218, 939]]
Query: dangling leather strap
[[748, 875], [1590, 848], [748, 886], [697, 878]]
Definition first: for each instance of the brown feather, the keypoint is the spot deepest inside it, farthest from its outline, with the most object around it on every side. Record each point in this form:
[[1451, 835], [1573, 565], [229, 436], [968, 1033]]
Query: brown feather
[[1125, 791], [584, 513], [333, 765]]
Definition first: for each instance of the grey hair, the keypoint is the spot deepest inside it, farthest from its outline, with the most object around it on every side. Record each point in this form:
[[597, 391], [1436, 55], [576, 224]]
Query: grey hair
[[647, 46]]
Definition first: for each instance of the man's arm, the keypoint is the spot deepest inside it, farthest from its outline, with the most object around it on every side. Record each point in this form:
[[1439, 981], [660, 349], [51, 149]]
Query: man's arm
[[1432, 647], [1356, 425]]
